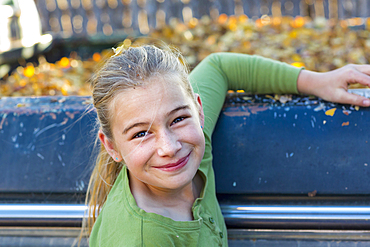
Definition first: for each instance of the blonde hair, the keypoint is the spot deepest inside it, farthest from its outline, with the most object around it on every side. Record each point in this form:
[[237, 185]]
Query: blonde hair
[[127, 69]]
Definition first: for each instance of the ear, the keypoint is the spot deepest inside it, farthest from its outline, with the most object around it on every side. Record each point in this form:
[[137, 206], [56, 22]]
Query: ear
[[201, 113], [109, 146]]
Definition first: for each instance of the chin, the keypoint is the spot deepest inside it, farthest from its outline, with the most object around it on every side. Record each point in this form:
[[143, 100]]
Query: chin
[[181, 180]]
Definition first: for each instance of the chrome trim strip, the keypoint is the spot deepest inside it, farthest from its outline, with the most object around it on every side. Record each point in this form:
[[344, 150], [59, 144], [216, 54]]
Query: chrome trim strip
[[238, 234], [282, 217], [42, 215], [297, 212], [71, 232], [42, 211], [317, 235], [238, 216]]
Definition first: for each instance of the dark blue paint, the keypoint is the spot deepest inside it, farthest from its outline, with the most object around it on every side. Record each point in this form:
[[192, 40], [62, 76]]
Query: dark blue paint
[[47, 142], [287, 149]]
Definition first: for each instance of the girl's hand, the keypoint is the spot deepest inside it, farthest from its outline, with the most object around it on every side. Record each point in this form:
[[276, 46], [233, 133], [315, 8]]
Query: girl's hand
[[332, 86]]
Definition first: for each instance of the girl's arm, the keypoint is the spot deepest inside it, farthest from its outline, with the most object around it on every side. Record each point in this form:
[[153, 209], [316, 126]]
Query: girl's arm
[[220, 72]]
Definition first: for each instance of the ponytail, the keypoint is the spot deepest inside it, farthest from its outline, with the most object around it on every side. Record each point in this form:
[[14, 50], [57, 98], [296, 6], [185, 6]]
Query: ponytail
[[103, 176]]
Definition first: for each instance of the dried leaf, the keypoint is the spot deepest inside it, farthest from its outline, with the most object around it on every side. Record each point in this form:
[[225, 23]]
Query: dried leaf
[[330, 112], [298, 41], [346, 112], [283, 99], [21, 105], [320, 107], [312, 194]]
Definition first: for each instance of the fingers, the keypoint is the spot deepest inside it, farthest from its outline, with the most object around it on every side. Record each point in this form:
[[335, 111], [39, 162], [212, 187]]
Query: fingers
[[358, 74], [355, 73], [353, 99], [364, 68], [333, 85]]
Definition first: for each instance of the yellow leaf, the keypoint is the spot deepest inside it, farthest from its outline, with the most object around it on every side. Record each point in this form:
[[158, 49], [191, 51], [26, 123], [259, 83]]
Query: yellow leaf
[[330, 112], [96, 57], [64, 62], [29, 71], [298, 64]]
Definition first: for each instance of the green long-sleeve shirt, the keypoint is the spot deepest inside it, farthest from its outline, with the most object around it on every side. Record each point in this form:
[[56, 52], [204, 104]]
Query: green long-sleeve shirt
[[122, 223]]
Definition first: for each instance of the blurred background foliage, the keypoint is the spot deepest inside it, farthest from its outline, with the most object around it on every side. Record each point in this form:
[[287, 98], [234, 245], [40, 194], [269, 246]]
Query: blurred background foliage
[[318, 35]]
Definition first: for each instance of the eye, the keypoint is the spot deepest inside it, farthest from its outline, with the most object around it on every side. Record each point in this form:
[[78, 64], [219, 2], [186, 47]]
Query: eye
[[140, 134], [178, 119]]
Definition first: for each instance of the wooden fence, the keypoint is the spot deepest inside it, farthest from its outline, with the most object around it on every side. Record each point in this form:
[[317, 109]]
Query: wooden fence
[[119, 17]]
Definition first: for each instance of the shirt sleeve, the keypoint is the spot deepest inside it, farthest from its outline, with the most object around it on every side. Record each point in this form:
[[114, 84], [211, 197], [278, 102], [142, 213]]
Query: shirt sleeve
[[220, 72]]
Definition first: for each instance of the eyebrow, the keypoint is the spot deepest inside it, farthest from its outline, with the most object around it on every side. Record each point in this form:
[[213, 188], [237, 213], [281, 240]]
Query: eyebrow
[[133, 126], [183, 107]]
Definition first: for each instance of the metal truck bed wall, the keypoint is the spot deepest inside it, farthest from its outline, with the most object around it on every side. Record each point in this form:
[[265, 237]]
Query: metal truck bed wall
[[294, 148], [299, 169], [260, 148]]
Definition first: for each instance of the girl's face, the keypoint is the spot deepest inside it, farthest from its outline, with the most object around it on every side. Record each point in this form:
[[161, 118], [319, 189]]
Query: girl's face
[[157, 132]]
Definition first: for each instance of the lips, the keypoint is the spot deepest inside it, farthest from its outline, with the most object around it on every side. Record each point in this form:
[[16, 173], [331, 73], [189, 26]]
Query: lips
[[175, 166]]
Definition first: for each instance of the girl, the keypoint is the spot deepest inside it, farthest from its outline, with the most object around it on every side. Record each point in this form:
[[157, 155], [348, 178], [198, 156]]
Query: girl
[[153, 182]]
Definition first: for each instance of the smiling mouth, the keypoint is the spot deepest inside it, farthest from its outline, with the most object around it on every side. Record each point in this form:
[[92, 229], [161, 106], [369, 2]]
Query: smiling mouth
[[175, 166]]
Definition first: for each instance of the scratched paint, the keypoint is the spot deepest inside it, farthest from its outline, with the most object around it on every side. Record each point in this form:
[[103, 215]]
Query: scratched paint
[[80, 185], [61, 160], [40, 156], [40, 131], [3, 120], [245, 112], [237, 113], [289, 155]]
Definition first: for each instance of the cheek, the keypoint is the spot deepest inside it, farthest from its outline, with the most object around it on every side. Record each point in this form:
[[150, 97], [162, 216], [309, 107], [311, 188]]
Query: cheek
[[195, 136], [136, 156]]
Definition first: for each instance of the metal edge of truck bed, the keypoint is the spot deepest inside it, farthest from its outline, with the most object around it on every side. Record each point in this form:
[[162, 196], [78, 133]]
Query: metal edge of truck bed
[[59, 225]]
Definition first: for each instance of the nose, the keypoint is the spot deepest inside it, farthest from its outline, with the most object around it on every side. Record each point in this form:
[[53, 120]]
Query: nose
[[168, 144]]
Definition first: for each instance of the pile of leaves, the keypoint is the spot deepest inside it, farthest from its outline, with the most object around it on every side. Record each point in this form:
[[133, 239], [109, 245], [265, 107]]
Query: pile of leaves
[[318, 45]]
